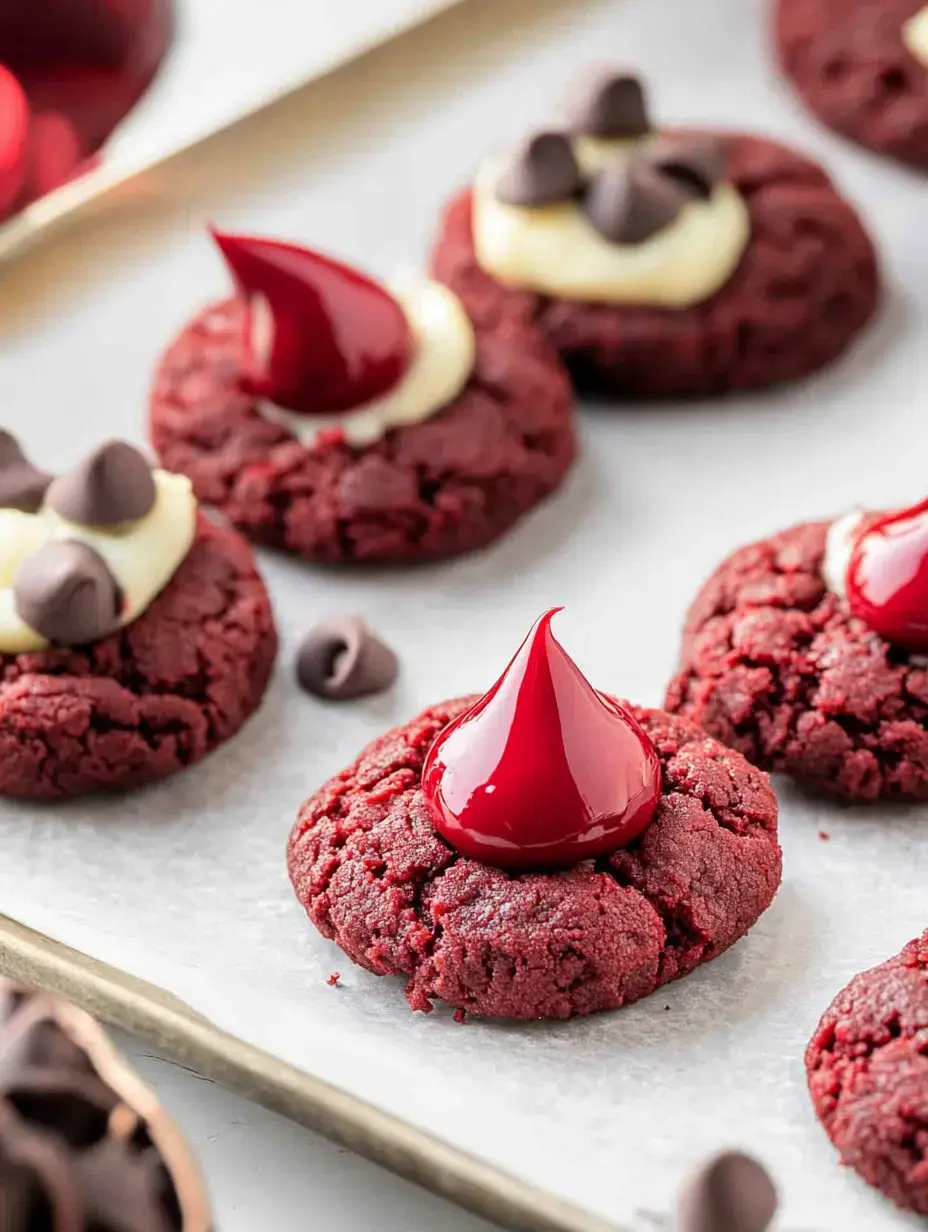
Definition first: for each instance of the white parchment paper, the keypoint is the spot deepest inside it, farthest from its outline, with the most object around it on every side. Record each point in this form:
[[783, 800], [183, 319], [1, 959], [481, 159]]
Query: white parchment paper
[[185, 884]]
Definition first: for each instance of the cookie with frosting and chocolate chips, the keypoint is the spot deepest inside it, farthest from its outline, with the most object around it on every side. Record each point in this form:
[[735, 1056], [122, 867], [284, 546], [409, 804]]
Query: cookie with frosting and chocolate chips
[[84, 1146], [135, 636], [660, 263], [862, 67]]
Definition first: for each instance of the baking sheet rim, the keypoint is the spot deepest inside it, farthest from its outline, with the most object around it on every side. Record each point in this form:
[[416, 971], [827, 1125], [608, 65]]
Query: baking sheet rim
[[154, 1015]]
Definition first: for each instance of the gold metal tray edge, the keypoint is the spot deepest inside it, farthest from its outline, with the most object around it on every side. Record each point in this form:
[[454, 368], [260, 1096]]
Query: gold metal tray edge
[[171, 1026]]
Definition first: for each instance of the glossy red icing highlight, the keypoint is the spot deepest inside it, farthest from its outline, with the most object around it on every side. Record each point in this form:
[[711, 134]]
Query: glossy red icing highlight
[[544, 771], [14, 140], [321, 336], [887, 578]]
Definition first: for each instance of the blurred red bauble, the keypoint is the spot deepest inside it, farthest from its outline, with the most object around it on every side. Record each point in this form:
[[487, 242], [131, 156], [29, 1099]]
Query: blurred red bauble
[[81, 66]]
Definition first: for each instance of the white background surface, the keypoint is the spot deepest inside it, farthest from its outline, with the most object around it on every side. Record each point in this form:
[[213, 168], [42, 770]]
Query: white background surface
[[185, 884]]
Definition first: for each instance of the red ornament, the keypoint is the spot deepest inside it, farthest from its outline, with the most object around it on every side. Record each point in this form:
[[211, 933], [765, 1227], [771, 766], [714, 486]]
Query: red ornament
[[80, 65], [887, 578], [321, 337], [14, 140], [543, 771]]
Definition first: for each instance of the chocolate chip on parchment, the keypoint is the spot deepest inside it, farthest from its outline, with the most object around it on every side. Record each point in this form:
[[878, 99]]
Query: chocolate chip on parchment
[[112, 485], [628, 200], [543, 170], [66, 593], [730, 1192], [341, 659], [606, 102]]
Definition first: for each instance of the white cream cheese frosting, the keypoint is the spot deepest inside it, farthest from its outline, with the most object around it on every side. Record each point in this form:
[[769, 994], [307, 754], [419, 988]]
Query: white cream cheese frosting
[[839, 547], [142, 555], [915, 35], [555, 250], [443, 360]]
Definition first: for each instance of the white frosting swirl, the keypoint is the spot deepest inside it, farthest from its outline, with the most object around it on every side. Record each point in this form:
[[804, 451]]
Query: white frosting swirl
[[839, 547], [142, 556], [915, 35], [555, 250], [445, 350]]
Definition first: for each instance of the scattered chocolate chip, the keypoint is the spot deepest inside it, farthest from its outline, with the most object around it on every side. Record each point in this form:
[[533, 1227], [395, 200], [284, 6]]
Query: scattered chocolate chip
[[607, 103], [543, 170], [729, 1193], [112, 485], [66, 593], [22, 485], [341, 659], [628, 200], [696, 162]]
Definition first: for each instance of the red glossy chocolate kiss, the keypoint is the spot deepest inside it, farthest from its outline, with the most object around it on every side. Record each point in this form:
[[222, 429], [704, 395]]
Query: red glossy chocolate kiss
[[543, 771], [14, 140], [887, 578], [321, 336]]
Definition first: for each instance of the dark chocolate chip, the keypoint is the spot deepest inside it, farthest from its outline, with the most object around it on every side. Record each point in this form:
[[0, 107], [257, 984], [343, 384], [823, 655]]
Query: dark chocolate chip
[[22, 485], [76, 1106], [606, 102], [66, 593], [628, 200], [729, 1193], [112, 485], [696, 162], [543, 170], [341, 659]]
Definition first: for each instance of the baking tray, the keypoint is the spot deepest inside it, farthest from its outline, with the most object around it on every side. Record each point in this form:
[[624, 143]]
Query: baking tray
[[229, 59], [606, 1113], [166, 1023]]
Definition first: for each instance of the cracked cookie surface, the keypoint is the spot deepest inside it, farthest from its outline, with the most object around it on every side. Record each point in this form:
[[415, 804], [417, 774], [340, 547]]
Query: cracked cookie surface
[[374, 877], [849, 62], [450, 484], [774, 665], [867, 1068], [807, 283], [150, 699]]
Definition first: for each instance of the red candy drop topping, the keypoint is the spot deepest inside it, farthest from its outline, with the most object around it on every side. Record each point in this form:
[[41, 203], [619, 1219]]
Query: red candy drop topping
[[321, 337], [887, 578], [543, 771]]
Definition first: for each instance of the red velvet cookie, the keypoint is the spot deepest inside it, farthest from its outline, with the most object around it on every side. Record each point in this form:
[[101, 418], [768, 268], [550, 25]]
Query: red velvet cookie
[[450, 483], [867, 1067], [806, 285], [151, 698], [370, 865], [851, 64], [777, 666]]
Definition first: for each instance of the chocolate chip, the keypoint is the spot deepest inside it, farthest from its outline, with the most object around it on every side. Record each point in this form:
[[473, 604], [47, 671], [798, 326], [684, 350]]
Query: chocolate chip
[[66, 593], [729, 1193], [112, 485], [22, 485], [543, 170], [696, 162], [607, 103], [628, 200], [341, 659]]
